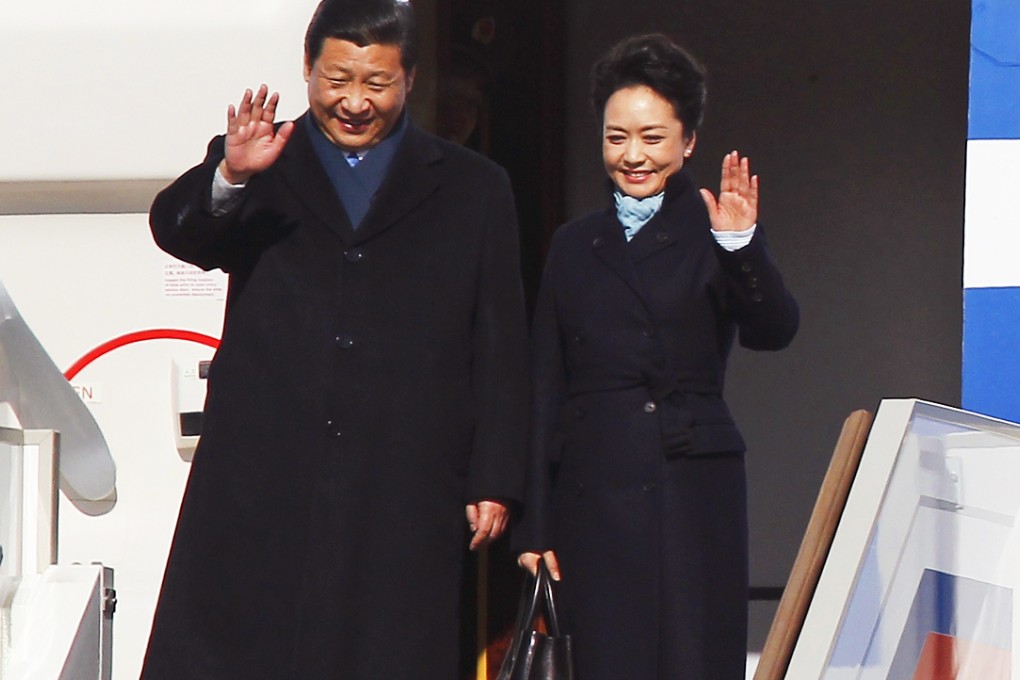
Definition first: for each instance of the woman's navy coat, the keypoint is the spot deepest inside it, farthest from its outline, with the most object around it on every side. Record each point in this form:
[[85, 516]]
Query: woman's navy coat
[[637, 473]]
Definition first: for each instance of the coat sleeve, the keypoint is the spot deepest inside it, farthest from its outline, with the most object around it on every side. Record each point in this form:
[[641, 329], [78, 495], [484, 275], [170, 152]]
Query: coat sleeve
[[549, 385], [183, 225], [499, 355], [766, 313]]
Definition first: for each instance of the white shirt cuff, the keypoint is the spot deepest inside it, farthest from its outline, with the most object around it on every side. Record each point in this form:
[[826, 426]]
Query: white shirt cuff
[[734, 240], [224, 194]]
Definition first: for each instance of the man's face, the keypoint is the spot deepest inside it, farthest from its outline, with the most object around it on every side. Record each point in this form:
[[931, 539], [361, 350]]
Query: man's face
[[357, 93]]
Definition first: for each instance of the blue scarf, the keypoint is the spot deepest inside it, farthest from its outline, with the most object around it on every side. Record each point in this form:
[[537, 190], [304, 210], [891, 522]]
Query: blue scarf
[[356, 185], [634, 213]]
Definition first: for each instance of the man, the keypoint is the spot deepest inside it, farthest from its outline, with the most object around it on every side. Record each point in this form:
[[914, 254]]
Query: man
[[370, 384]]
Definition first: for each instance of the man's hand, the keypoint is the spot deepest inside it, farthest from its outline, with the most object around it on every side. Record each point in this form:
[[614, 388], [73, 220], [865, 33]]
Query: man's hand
[[487, 520], [252, 144], [737, 207]]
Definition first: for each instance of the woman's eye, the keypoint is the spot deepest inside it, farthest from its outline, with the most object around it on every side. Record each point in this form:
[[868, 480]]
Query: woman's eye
[[615, 139], [653, 140]]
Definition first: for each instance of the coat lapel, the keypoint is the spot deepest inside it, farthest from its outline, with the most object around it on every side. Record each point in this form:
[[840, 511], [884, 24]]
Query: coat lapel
[[413, 176], [653, 237], [610, 246], [303, 173], [674, 230]]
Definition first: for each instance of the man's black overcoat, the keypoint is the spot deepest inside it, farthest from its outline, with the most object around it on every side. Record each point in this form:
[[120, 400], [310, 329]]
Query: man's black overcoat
[[368, 385], [637, 474]]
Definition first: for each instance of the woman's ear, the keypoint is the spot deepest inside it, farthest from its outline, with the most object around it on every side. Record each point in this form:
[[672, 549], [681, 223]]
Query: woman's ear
[[689, 147]]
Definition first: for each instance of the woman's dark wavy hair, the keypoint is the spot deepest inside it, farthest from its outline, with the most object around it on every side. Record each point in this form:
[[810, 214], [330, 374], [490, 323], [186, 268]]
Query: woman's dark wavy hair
[[364, 22], [657, 62]]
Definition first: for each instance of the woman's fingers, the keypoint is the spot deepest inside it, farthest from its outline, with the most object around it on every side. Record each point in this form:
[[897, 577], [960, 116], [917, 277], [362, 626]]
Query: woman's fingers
[[552, 564], [529, 561]]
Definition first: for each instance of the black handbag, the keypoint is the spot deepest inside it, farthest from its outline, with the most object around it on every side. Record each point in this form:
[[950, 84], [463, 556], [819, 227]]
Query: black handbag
[[534, 655]]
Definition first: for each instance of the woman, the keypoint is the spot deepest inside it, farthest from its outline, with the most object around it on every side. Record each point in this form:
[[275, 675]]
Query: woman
[[637, 491]]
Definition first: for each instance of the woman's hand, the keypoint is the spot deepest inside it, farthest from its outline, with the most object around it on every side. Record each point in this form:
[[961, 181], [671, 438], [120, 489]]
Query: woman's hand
[[529, 561], [737, 207], [252, 143]]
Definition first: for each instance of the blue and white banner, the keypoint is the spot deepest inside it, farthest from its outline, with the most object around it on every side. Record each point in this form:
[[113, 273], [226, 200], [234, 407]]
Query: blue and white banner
[[991, 272]]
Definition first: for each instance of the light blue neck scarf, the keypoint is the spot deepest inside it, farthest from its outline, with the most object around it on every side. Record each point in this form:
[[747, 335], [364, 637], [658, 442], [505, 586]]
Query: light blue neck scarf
[[634, 213]]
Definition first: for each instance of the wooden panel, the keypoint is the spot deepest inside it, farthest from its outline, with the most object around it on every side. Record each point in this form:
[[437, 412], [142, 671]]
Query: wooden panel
[[814, 548]]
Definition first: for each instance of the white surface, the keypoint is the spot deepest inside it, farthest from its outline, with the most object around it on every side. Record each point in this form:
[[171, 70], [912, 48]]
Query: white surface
[[129, 89], [841, 565], [28, 488], [938, 498], [752, 665], [45, 618], [80, 281], [992, 214]]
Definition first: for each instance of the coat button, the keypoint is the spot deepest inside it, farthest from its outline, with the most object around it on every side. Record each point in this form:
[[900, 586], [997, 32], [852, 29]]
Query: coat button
[[579, 339], [354, 255], [648, 332], [333, 428], [579, 413], [597, 242], [662, 237], [752, 281], [344, 341], [649, 487], [649, 407], [746, 267], [756, 296]]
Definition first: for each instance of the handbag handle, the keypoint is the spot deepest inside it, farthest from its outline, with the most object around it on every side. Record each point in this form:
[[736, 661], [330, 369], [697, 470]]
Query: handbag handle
[[550, 604], [528, 608]]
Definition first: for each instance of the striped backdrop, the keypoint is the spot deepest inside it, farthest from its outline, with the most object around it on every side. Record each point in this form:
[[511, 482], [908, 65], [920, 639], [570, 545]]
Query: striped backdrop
[[991, 272]]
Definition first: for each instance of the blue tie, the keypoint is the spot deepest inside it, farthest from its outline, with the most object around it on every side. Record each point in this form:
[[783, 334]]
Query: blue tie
[[352, 158]]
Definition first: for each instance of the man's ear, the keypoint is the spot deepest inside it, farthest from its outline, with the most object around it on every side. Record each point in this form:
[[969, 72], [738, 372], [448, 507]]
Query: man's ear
[[308, 68], [409, 78]]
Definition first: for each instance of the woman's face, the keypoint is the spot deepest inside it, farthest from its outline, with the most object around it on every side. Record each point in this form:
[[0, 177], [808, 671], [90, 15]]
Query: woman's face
[[643, 142]]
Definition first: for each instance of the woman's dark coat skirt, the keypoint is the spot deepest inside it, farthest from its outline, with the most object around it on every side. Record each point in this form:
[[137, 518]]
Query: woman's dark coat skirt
[[637, 475]]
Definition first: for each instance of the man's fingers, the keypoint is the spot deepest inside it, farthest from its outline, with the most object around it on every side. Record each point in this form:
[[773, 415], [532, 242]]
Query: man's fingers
[[500, 526], [482, 526], [283, 134], [481, 537], [269, 111], [244, 108], [259, 102], [488, 520]]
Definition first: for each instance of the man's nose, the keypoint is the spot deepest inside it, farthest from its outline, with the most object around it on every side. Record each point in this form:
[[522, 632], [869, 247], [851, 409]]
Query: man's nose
[[354, 101]]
